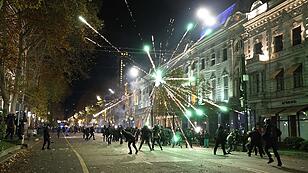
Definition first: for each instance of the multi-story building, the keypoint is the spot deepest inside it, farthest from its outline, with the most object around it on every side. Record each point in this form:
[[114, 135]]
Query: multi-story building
[[276, 49]]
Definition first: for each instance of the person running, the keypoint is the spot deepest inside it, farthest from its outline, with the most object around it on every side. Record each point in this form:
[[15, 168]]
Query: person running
[[91, 133], [220, 139], [131, 140], [46, 137], [145, 137], [255, 142], [271, 135], [156, 136]]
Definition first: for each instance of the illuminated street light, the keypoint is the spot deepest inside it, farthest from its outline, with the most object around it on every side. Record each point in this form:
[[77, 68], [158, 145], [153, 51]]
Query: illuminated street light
[[111, 91], [134, 72], [206, 17]]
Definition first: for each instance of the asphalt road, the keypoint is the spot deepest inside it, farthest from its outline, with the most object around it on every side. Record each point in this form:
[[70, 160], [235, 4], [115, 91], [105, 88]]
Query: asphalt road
[[73, 154]]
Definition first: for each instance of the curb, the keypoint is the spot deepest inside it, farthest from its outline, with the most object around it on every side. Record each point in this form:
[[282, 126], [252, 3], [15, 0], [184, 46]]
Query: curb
[[9, 150]]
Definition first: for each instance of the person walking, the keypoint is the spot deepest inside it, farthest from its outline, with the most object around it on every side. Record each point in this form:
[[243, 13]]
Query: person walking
[[10, 123], [145, 137], [220, 139], [131, 140], [231, 142], [255, 142], [271, 135], [206, 139], [46, 137], [58, 131], [91, 133], [156, 137]]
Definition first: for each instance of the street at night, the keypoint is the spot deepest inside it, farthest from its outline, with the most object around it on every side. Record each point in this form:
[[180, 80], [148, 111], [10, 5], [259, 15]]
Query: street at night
[[127, 86], [97, 157]]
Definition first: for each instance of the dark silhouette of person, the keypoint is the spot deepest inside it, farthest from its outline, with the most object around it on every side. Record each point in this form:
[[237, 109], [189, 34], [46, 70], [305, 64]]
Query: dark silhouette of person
[[130, 138], [156, 137], [220, 139], [10, 123], [145, 137], [46, 137], [255, 142], [137, 133], [58, 131], [109, 134], [91, 133], [271, 135]]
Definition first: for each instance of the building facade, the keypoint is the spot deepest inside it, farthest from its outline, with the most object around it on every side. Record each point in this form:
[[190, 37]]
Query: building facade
[[276, 50]]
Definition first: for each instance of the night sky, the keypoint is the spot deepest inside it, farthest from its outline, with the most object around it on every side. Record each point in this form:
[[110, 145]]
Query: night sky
[[130, 33]]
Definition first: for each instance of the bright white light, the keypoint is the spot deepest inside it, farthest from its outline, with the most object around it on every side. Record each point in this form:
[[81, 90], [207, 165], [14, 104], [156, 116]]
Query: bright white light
[[209, 21], [146, 48], [98, 98], [202, 13], [82, 19], [134, 72], [111, 91], [158, 78], [198, 129]]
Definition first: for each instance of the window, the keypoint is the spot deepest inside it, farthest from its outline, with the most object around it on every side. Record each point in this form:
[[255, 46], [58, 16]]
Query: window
[[225, 54], [298, 77], [258, 48], [213, 85], [213, 59], [278, 44], [202, 63], [186, 69], [296, 35], [226, 87], [193, 66], [280, 81]]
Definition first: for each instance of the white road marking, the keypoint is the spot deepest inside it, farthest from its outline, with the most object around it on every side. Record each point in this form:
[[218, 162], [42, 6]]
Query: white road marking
[[81, 161]]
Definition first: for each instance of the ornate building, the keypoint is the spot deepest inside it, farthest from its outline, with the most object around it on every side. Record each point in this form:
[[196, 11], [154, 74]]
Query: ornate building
[[276, 50]]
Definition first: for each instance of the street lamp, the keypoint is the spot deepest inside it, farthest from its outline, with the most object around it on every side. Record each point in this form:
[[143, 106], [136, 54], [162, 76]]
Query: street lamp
[[206, 17]]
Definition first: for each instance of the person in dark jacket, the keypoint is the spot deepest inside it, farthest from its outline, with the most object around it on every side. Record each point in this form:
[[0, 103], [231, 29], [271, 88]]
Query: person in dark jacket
[[220, 139], [10, 123], [271, 135], [130, 138], [255, 142], [156, 136], [58, 131], [91, 133], [145, 137], [206, 139], [46, 137]]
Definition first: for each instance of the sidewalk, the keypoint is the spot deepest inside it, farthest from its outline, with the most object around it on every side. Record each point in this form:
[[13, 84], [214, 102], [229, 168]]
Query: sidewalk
[[14, 149]]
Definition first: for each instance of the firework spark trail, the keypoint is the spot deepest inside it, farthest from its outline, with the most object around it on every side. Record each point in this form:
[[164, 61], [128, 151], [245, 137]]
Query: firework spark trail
[[107, 41], [132, 17], [178, 45], [109, 107], [179, 104], [152, 62], [153, 44], [93, 42]]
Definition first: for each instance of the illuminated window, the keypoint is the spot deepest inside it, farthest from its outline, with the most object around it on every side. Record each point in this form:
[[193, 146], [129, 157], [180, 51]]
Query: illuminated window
[[213, 59], [225, 54], [296, 36], [298, 77], [280, 81], [278, 44]]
